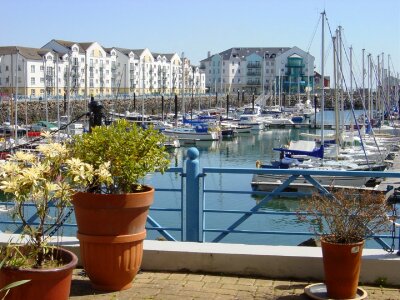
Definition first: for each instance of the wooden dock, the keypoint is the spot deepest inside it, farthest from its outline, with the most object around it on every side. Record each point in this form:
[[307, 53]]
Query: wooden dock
[[388, 185]]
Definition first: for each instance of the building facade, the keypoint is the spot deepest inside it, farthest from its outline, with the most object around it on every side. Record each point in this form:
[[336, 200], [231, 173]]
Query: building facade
[[259, 70], [77, 69]]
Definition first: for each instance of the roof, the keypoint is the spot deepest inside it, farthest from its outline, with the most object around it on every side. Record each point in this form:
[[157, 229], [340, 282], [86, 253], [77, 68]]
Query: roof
[[83, 46], [246, 51], [28, 53]]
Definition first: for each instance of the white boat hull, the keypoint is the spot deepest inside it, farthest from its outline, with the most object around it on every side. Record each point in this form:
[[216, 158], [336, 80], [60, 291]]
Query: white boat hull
[[188, 135], [268, 182]]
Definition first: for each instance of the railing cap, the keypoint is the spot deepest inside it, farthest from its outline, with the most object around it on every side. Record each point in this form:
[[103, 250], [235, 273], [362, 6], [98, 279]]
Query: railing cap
[[193, 153]]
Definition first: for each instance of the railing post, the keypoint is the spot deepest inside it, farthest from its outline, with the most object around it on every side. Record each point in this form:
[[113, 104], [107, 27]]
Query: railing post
[[193, 206]]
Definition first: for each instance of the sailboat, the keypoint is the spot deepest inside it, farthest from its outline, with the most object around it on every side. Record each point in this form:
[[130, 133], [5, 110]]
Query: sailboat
[[307, 155]]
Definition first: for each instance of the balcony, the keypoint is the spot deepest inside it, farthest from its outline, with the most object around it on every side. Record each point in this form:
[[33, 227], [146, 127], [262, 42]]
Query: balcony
[[253, 65], [253, 82], [253, 73]]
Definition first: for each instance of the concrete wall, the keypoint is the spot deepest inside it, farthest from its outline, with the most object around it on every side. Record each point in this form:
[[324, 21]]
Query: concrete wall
[[303, 263]]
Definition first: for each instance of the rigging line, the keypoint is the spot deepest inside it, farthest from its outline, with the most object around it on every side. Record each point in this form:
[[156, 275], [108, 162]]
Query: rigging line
[[364, 109], [374, 70], [351, 102], [352, 109], [42, 137], [380, 87], [354, 57], [313, 36]]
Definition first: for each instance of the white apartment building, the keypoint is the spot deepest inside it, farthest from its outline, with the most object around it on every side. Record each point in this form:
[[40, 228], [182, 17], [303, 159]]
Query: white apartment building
[[258, 70], [84, 69], [27, 71]]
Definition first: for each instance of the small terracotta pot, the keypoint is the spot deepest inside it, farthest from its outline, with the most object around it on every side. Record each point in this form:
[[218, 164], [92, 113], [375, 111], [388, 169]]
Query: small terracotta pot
[[44, 284], [342, 263], [119, 214], [111, 262]]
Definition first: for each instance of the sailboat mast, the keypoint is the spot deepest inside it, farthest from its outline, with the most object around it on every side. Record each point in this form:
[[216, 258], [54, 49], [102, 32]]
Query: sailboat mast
[[369, 89], [351, 74], [16, 99], [322, 80], [335, 77], [341, 118], [363, 77], [382, 88]]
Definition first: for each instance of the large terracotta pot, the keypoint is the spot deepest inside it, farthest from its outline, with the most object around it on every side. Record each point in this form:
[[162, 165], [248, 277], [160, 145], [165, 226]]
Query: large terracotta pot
[[122, 214], [112, 262], [44, 284], [111, 230], [342, 263]]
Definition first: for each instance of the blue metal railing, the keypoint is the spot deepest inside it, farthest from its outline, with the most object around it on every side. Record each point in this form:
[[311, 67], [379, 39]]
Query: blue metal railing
[[194, 194]]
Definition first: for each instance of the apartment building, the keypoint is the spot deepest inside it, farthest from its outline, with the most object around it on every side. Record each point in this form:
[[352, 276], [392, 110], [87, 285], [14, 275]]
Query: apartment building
[[259, 70], [82, 69], [27, 71]]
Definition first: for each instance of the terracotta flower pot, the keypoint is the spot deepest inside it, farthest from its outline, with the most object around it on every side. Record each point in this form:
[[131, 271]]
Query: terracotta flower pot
[[44, 284], [111, 262], [111, 230], [342, 263], [99, 214]]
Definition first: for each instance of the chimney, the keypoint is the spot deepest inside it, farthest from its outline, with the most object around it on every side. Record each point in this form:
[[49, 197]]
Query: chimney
[[208, 54]]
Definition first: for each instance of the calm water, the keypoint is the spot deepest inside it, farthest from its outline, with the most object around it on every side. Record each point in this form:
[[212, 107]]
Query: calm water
[[239, 152]]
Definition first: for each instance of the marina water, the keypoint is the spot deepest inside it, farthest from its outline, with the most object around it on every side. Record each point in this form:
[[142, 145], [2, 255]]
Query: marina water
[[241, 151]]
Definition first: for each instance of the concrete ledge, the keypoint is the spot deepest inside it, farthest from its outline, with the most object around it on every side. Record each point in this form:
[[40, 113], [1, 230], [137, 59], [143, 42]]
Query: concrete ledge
[[304, 263], [255, 260]]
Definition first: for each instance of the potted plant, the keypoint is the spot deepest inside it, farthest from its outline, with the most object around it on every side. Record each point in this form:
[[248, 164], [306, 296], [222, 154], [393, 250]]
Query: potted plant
[[41, 181], [344, 219], [111, 217]]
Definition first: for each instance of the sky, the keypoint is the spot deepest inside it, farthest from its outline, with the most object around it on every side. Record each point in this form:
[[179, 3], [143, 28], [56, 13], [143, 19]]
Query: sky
[[198, 26]]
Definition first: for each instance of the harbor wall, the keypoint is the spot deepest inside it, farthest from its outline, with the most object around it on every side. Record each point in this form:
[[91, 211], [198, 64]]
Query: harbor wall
[[31, 111]]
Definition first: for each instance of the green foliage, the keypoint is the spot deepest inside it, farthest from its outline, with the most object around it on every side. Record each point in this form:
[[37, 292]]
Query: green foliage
[[346, 217], [6, 289], [47, 181], [131, 151]]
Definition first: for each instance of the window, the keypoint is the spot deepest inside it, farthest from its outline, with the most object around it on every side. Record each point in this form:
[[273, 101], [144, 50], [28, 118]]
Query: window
[[239, 71], [32, 69], [41, 68], [41, 91], [82, 59], [32, 80], [233, 63], [7, 79], [32, 92], [0, 80], [19, 79], [41, 80], [19, 68], [0, 69], [6, 68], [233, 71]]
